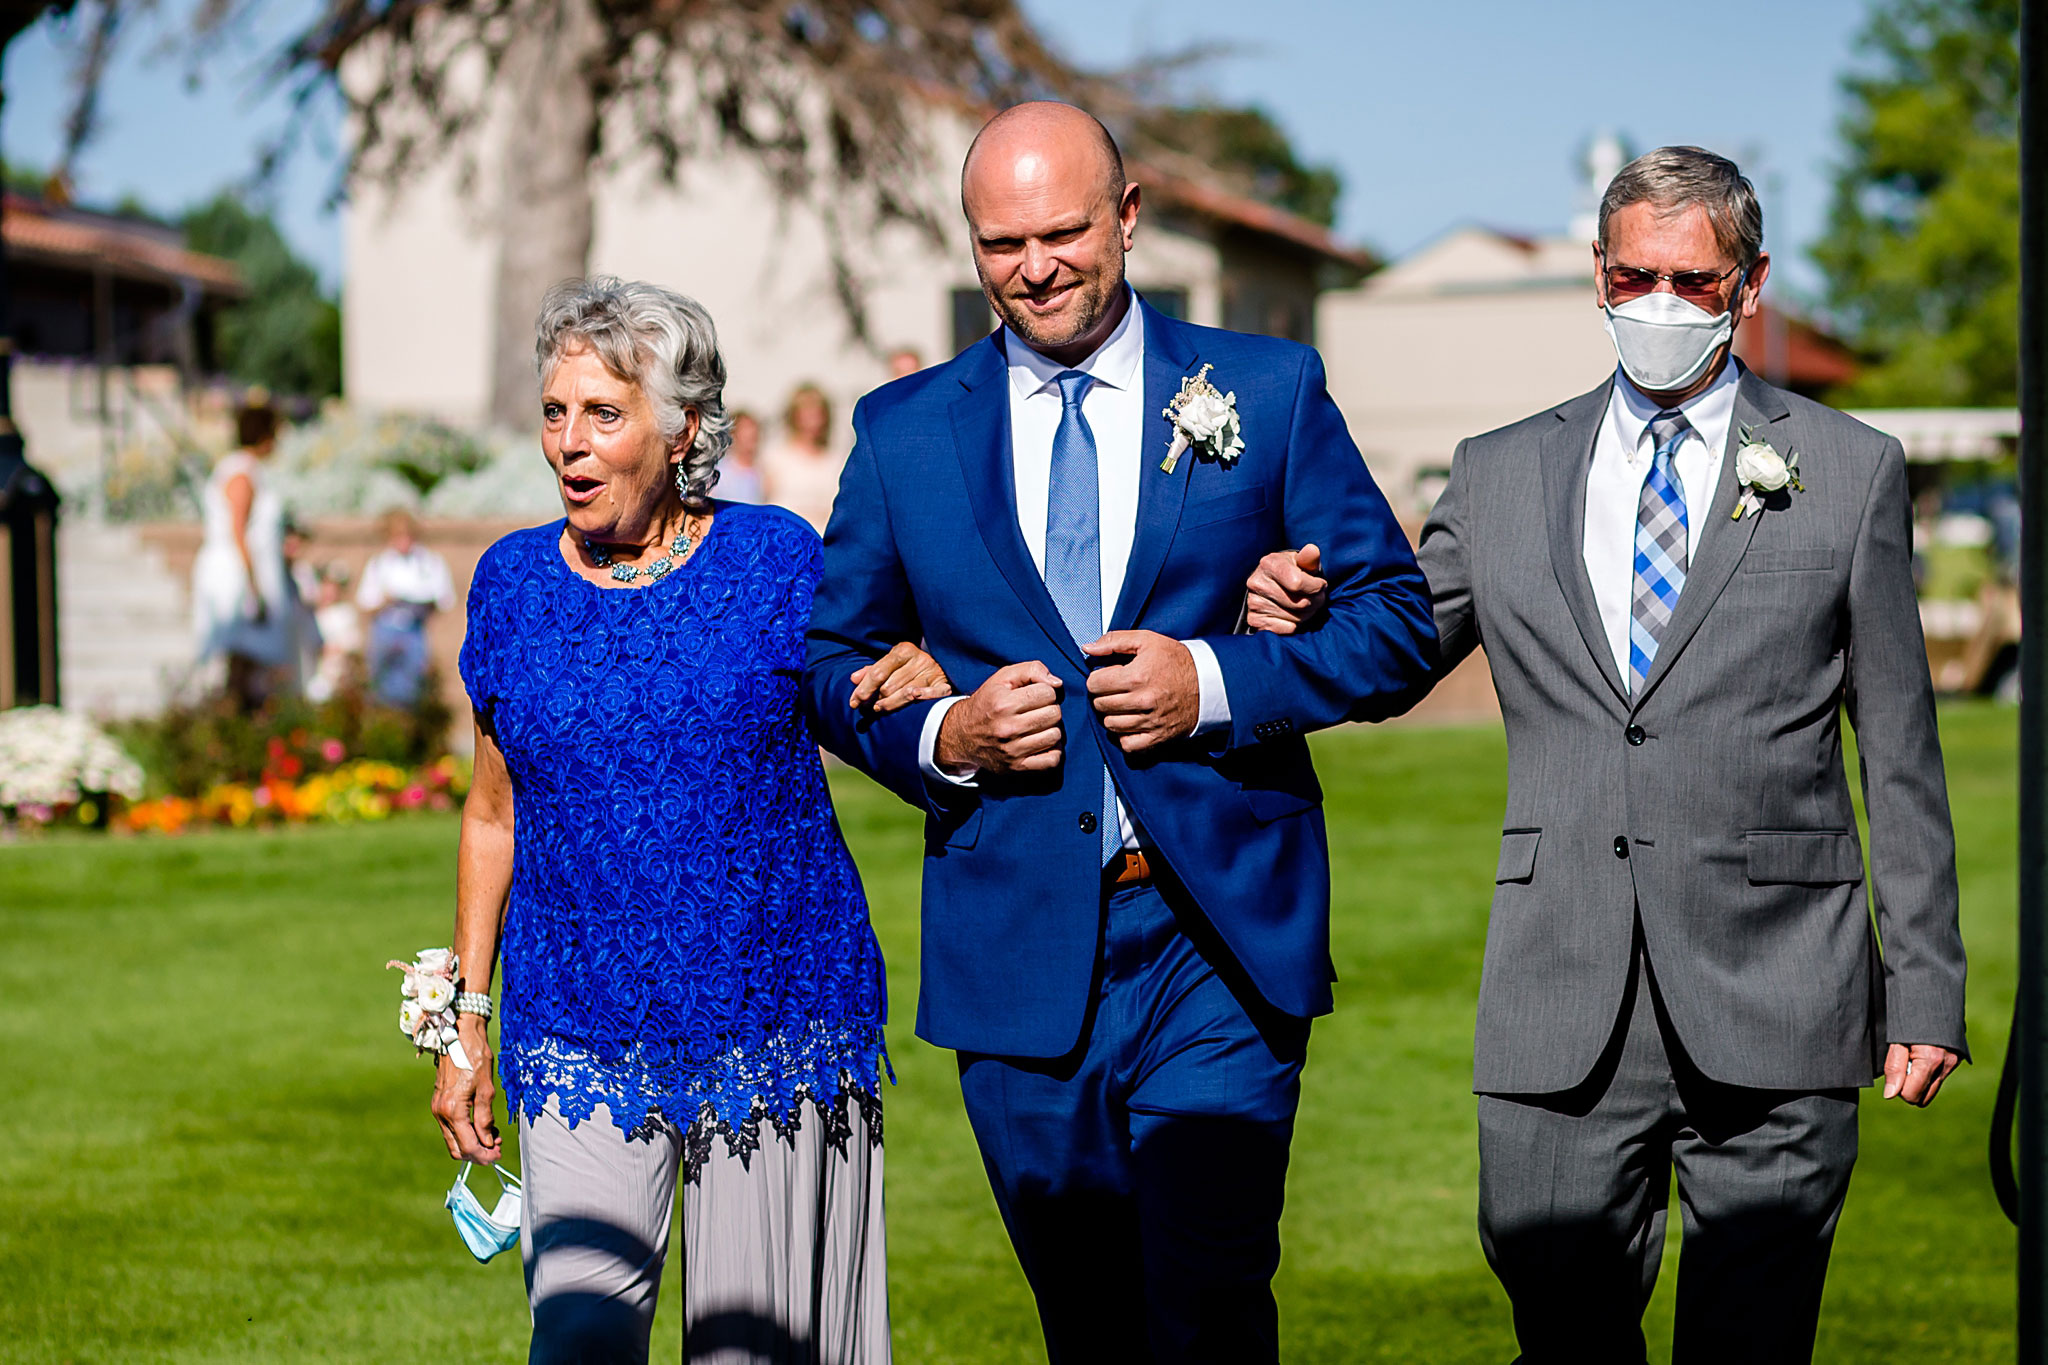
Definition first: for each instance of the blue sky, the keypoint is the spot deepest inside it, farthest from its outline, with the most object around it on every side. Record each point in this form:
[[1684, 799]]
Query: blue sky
[[1436, 113]]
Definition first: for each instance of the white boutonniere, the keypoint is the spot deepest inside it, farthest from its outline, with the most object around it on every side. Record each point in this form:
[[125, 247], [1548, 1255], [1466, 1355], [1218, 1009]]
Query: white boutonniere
[[1760, 469], [1203, 419]]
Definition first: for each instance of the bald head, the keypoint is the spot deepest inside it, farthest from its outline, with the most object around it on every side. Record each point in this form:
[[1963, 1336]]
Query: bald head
[[1043, 138], [1044, 192]]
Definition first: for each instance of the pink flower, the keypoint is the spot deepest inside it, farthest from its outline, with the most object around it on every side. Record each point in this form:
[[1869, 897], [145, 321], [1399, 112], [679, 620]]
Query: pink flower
[[332, 750]]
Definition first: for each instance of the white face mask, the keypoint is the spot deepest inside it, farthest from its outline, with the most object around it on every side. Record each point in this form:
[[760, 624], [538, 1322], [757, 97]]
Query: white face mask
[[1666, 343]]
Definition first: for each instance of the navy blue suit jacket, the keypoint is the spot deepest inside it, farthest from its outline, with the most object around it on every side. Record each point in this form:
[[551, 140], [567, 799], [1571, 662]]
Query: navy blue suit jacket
[[924, 545]]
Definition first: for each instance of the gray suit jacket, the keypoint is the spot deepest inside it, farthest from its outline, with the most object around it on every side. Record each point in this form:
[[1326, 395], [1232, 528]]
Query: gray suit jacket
[[1714, 804]]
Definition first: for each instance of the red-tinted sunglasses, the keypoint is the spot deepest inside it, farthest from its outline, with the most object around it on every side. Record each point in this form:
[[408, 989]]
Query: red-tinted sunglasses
[[1632, 281]]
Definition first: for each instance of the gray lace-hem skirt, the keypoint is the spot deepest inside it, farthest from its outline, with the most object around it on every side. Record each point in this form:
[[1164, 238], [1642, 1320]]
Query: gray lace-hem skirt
[[784, 1260]]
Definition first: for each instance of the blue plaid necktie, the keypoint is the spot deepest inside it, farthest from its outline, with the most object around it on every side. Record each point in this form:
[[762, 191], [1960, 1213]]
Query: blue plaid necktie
[[1073, 551], [1660, 548]]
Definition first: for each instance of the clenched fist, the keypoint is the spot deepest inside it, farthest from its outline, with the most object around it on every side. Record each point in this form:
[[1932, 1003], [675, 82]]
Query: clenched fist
[[1009, 724], [1151, 698]]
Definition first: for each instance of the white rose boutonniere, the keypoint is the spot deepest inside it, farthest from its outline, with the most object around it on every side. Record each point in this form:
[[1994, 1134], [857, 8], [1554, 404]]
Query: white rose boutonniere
[[1760, 469], [1203, 419]]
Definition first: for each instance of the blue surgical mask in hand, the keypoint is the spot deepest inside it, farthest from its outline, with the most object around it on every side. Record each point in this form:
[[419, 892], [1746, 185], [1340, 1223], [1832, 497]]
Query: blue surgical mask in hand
[[486, 1234]]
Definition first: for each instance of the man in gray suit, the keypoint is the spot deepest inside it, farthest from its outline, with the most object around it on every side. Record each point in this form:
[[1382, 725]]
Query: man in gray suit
[[1681, 580]]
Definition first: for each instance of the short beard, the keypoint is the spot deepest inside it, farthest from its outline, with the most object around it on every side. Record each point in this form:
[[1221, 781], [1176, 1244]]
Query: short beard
[[1096, 299]]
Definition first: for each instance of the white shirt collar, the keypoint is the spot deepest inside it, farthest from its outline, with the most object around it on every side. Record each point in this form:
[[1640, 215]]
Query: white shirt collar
[[1118, 362], [1710, 411]]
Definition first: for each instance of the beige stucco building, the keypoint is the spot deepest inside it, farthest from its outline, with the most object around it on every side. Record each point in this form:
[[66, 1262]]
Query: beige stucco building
[[422, 265]]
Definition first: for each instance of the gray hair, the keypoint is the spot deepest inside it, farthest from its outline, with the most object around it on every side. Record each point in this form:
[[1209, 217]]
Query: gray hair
[[1675, 178], [656, 338]]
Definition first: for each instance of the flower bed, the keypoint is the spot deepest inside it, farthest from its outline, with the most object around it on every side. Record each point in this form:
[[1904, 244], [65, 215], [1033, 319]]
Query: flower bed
[[364, 789], [210, 765]]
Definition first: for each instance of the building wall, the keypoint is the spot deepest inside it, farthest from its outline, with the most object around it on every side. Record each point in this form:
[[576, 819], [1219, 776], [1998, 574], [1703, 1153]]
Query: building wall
[[57, 407], [418, 296], [1417, 373]]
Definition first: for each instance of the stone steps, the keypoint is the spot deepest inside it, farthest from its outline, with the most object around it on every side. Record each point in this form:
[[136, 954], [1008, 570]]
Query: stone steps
[[123, 619]]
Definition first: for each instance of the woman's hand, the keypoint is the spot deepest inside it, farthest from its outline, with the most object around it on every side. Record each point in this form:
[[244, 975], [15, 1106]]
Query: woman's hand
[[463, 1099], [904, 675]]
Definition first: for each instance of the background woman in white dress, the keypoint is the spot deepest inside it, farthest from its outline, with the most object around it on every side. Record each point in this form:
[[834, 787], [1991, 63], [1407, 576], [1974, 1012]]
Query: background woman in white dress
[[239, 605]]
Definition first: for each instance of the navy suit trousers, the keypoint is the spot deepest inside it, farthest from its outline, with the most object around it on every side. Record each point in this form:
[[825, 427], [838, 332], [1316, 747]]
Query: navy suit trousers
[[1141, 1176]]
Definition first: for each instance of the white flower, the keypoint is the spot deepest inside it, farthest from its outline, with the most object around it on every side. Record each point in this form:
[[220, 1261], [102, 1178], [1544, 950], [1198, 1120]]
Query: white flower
[[1761, 467], [436, 993], [1203, 420], [435, 961], [1205, 414], [50, 757], [410, 1017]]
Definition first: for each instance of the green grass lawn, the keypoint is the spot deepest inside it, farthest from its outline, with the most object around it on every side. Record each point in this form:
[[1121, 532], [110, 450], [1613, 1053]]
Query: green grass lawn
[[215, 1146]]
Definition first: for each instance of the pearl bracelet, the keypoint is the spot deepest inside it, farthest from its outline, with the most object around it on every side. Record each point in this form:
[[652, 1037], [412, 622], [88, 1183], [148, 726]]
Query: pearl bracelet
[[473, 1002]]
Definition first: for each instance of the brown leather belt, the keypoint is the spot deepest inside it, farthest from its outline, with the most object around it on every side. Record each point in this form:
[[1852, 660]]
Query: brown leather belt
[[1128, 868]]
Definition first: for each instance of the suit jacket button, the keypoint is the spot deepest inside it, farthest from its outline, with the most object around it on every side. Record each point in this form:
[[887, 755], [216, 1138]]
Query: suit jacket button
[[1635, 734], [1620, 846], [1087, 822]]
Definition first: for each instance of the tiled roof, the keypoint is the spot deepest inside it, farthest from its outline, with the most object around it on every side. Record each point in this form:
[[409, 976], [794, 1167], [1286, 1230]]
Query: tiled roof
[[36, 231], [1214, 202]]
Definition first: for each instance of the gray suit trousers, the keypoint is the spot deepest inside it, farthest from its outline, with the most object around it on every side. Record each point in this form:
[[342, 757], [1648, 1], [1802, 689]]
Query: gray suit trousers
[[1574, 1185]]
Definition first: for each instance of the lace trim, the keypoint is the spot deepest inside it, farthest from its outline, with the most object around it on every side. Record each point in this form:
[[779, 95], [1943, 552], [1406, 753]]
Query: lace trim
[[745, 1139], [770, 1080]]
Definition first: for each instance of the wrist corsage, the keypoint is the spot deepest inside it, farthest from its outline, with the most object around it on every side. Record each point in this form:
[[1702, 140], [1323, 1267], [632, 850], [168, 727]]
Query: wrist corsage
[[426, 1012]]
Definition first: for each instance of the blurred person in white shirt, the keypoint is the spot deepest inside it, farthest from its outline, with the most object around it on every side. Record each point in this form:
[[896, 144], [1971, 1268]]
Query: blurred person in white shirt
[[403, 585]]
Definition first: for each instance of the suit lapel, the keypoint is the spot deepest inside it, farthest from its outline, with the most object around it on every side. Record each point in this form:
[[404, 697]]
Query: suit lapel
[[1757, 406], [981, 438], [1567, 461], [1168, 356]]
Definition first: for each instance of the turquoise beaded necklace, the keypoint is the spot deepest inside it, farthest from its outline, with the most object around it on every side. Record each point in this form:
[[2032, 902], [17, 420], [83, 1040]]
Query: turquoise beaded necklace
[[678, 550]]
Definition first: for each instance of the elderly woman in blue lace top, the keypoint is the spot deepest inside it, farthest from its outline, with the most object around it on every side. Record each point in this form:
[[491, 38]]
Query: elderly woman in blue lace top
[[691, 986]]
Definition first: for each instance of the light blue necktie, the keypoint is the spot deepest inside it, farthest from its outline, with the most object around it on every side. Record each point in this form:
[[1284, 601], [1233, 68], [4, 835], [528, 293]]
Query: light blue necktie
[[1073, 552], [1660, 548]]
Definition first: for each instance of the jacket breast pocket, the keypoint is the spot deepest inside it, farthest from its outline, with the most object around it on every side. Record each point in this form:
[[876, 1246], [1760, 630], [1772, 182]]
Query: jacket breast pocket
[[1517, 855], [1802, 560], [1239, 502], [1807, 857]]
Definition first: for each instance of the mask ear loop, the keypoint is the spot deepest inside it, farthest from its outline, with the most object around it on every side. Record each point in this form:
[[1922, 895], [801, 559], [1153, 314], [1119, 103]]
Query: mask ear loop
[[512, 1192]]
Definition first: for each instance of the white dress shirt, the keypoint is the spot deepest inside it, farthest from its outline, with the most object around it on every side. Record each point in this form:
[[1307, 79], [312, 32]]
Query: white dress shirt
[[1622, 455], [1114, 406], [419, 577]]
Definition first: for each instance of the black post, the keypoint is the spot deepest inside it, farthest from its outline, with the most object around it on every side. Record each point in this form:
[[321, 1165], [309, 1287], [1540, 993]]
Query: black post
[[28, 503], [2031, 1030]]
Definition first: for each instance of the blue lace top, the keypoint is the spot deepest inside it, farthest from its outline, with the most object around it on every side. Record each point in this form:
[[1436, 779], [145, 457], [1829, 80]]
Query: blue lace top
[[687, 937]]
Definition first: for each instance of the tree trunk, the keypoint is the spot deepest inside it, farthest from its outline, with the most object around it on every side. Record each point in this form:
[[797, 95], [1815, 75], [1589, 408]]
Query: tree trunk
[[550, 144]]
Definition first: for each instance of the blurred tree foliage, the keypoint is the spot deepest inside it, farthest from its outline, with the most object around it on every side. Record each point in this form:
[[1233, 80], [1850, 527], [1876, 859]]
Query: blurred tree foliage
[[287, 334], [1921, 256], [1247, 146]]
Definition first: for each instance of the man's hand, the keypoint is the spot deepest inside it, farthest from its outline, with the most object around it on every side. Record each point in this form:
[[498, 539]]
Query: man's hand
[[1154, 698], [904, 675], [1284, 593], [1914, 1073], [463, 1099], [1009, 724]]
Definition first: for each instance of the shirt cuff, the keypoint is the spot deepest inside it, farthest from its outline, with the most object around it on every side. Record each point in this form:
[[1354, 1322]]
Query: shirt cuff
[[928, 743], [1214, 700]]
